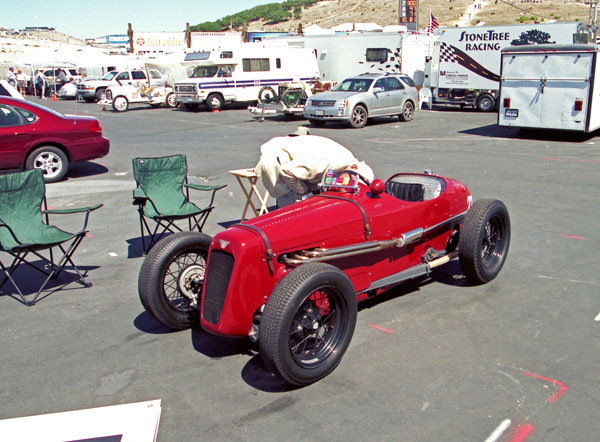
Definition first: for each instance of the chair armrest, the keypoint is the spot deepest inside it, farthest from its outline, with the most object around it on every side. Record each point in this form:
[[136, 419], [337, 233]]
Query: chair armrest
[[139, 197], [202, 187], [76, 210]]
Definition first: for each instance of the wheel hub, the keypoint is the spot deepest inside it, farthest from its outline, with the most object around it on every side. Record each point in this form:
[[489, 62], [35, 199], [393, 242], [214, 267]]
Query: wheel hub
[[190, 282]]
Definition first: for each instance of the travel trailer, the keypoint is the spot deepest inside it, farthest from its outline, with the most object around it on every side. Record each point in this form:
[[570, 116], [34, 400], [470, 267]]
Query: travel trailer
[[550, 87], [464, 65], [238, 74]]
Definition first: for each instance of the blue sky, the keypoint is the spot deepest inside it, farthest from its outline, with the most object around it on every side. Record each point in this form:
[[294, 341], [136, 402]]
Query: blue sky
[[87, 19]]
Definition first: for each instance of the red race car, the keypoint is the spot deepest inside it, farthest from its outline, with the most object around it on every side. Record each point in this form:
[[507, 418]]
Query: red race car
[[291, 279]]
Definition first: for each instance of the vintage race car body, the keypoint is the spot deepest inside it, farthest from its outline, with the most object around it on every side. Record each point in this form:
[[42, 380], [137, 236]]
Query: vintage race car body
[[120, 97], [291, 279], [328, 221]]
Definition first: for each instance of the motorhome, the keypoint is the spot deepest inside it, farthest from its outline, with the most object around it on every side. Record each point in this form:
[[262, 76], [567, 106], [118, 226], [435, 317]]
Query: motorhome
[[550, 87], [237, 74], [464, 65]]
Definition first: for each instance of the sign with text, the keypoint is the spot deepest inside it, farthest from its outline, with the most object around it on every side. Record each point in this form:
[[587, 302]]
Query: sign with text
[[409, 11]]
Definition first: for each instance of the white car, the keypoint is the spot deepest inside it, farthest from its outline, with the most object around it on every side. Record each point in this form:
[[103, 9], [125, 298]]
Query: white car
[[69, 90], [120, 97]]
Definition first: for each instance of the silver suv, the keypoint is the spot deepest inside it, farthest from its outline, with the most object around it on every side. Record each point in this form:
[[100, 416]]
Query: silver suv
[[356, 99]]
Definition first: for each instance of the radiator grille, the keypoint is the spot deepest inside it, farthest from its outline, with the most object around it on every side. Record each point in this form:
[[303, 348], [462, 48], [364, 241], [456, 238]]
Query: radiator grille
[[218, 274], [185, 88], [323, 103]]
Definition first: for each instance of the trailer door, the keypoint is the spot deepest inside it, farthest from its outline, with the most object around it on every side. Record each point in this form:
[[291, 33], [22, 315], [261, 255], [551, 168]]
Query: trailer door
[[546, 89]]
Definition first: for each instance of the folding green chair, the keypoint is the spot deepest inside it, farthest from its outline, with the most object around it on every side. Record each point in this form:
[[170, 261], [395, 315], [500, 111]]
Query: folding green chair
[[160, 197], [25, 230]]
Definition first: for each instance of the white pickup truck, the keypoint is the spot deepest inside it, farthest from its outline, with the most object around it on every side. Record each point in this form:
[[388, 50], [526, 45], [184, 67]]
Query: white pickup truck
[[95, 89]]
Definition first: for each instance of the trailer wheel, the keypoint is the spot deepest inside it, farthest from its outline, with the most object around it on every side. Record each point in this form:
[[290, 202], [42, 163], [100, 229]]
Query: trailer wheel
[[214, 102], [266, 95], [308, 323], [484, 240], [485, 103]]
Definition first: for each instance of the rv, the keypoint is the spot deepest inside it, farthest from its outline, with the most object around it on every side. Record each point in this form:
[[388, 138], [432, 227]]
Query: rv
[[464, 65], [347, 54], [238, 74], [550, 87]]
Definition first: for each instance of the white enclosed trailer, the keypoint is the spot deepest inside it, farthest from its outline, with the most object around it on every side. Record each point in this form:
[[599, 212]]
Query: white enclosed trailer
[[464, 67], [346, 54], [550, 87]]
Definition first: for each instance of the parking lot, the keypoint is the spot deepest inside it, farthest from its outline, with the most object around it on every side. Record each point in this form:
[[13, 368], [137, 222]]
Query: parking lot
[[432, 361]]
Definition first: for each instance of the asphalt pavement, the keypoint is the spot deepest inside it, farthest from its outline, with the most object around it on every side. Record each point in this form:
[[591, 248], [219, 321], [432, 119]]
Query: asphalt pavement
[[438, 360]]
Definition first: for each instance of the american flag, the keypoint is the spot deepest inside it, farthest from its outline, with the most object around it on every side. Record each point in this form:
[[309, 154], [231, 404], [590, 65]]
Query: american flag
[[433, 23]]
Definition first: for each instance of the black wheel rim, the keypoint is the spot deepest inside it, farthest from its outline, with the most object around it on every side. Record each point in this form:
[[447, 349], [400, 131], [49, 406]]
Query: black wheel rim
[[318, 327], [493, 242], [183, 280]]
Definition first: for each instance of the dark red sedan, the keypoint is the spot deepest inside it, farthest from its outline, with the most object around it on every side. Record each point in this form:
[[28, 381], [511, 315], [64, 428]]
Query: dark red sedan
[[35, 137]]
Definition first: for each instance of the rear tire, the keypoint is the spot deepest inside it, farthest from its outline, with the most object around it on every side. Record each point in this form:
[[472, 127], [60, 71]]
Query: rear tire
[[408, 111], [120, 103], [486, 103], [100, 94], [52, 161], [484, 240], [171, 279], [307, 323], [170, 100]]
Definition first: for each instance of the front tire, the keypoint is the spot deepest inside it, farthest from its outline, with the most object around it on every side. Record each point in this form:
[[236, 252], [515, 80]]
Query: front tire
[[214, 102], [484, 240], [100, 94], [307, 323], [120, 104], [359, 116], [52, 161], [171, 278], [408, 111]]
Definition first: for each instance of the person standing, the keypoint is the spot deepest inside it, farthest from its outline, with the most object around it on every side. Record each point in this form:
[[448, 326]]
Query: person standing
[[21, 82], [40, 82], [11, 78]]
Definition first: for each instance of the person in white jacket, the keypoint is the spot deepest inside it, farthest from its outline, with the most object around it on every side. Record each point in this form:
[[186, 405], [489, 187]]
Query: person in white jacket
[[292, 167]]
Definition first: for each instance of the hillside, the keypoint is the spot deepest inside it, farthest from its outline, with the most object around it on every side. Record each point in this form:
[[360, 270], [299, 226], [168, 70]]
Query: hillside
[[329, 13]]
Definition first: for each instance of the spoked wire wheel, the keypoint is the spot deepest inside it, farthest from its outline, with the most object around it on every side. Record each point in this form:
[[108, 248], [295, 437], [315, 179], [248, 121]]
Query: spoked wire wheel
[[172, 276], [184, 277]]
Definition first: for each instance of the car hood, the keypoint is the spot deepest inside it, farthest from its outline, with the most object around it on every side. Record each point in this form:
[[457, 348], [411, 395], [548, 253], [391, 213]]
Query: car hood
[[332, 96]]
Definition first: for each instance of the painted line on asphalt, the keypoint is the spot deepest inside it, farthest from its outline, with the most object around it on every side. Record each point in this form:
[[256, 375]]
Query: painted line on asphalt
[[522, 433], [597, 318], [571, 236], [112, 254], [383, 329], [500, 429], [568, 280], [561, 390]]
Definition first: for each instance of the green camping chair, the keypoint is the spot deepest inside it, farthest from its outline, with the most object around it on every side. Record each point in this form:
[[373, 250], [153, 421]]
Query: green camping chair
[[25, 229], [160, 197]]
